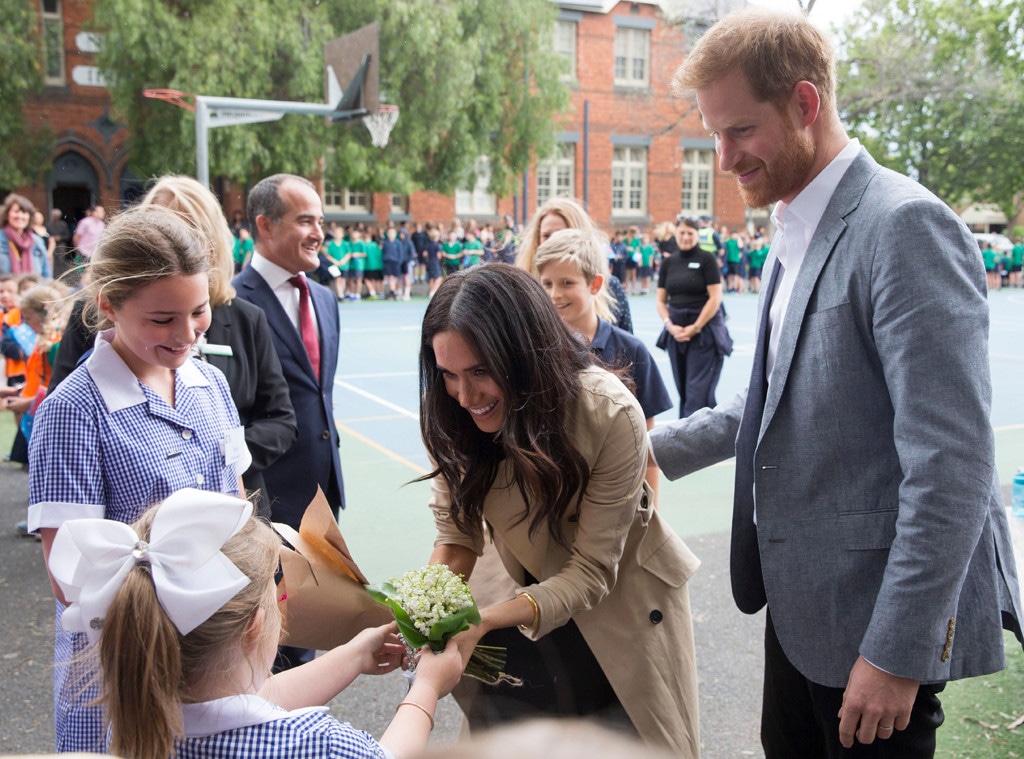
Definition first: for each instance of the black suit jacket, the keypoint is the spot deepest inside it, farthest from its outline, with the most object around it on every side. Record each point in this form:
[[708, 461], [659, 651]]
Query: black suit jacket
[[258, 388], [313, 458]]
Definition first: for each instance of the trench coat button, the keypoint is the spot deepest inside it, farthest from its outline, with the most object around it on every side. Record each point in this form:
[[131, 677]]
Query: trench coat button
[[656, 617], [326, 435]]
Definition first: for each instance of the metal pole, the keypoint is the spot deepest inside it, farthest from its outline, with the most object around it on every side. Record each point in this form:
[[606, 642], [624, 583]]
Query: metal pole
[[526, 197], [526, 91], [586, 153], [202, 143]]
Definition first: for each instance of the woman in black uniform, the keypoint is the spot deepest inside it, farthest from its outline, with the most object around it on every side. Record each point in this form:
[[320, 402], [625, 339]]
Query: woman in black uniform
[[689, 301]]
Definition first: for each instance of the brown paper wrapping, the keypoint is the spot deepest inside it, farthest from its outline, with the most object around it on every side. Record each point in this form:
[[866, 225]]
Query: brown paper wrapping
[[323, 602]]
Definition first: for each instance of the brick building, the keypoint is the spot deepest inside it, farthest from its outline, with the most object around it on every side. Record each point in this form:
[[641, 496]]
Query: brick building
[[629, 149], [89, 155]]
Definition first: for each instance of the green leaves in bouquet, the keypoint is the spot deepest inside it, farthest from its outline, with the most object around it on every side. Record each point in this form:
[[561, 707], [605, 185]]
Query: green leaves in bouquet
[[444, 629], [486, 663], [386, 593], [452, 625]]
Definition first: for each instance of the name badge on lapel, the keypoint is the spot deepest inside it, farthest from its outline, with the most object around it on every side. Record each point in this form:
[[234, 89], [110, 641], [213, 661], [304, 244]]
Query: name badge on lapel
[[209, 349], [694, 265], [234, 446]]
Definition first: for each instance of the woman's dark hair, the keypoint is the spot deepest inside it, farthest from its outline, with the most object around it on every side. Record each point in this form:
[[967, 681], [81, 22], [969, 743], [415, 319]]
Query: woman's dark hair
[[511, 324]]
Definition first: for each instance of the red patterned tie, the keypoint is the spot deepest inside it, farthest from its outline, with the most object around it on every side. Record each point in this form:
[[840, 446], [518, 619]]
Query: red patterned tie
[[306, 326]]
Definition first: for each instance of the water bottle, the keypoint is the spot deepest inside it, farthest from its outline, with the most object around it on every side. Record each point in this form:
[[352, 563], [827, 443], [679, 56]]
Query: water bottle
[[1017, 498]]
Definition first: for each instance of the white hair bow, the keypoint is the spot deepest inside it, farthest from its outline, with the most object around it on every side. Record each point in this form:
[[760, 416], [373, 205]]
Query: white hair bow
[[90, 559]]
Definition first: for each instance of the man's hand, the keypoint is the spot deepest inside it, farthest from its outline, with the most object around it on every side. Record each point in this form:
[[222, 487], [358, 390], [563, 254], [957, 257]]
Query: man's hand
[[878, 701]]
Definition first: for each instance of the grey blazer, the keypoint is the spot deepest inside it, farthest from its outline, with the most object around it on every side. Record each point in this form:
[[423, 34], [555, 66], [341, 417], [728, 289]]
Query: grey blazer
[[881, 528]]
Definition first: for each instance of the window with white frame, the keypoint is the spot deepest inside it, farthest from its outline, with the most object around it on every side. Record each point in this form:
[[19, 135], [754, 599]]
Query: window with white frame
[[477, 200], [698, 182], [344, 200], [399, 203], [53, 42], [629, 181], [565, 46], [555, 175], [632, 57]]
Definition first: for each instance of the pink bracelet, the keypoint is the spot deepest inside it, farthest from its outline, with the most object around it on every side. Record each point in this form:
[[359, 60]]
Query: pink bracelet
[[421, 708]]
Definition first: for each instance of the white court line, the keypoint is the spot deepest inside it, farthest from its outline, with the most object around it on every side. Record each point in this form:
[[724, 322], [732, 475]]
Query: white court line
[[374, 375], [377, 399], [365, 330]]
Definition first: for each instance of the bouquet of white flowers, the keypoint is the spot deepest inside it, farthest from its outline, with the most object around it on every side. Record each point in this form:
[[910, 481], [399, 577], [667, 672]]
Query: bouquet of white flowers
[[431, 605]]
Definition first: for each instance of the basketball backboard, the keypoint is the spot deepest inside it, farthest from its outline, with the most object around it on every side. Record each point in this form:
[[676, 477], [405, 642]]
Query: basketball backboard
[[347, 55]]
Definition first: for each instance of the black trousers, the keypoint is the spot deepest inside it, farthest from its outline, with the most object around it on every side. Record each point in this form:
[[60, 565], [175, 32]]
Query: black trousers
[[800, 719]]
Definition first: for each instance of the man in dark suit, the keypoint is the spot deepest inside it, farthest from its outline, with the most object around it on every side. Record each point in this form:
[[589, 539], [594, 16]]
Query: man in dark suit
[[868, 515], [287, 217]]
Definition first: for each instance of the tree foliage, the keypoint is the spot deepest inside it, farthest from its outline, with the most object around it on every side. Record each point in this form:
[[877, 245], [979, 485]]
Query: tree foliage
[[934, 90], [472, 78], [21, 78]]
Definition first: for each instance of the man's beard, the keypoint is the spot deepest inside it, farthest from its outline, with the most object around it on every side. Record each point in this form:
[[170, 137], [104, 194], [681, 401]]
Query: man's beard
[[787, 171]]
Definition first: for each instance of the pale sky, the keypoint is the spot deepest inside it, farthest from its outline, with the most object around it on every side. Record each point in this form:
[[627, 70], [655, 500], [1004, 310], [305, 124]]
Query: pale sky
[[825, 12]]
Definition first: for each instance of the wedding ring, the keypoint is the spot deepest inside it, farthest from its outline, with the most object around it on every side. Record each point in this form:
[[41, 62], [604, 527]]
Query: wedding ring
[[886, 728]]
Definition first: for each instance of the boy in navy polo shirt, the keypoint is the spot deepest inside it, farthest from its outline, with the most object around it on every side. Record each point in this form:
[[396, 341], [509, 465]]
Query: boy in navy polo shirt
[[572, 265]]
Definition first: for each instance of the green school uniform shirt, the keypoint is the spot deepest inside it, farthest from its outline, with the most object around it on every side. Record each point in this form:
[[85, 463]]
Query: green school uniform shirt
[[374, 257], [473, 251], [338, 253]]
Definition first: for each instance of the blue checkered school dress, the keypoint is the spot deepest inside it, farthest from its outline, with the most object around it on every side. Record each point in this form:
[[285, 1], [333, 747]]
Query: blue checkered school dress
[[105, 445], [248, 726]]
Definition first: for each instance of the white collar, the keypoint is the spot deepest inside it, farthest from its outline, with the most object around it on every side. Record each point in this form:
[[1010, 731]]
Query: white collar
[[275, 275], [118, 385], [233, 712], [808, 207]]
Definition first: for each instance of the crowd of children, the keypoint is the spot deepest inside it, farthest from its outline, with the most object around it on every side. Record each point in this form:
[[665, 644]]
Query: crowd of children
[[366, 261], [362, 260], [1003, 267]]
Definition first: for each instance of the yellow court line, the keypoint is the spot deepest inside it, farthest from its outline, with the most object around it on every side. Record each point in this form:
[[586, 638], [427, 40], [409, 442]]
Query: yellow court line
[[378, 447]]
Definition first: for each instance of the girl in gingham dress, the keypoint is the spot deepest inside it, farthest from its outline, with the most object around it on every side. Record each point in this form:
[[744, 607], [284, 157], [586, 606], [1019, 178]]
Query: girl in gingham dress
[[138, 420], [197, 685]]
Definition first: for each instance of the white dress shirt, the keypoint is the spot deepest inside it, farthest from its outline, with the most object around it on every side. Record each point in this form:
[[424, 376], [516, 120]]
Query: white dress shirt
[[287, 293], [796, 223]]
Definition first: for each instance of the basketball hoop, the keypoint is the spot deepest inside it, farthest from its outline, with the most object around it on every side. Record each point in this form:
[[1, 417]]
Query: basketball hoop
[[381, 123], [174, 97]]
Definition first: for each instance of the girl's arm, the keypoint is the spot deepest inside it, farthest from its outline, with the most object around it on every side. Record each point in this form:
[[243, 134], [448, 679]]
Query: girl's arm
[[46, 535], [436, 675], [374, 651]]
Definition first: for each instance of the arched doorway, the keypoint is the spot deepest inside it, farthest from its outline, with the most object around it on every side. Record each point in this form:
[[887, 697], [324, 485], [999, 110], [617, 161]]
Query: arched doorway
[[72, 186]]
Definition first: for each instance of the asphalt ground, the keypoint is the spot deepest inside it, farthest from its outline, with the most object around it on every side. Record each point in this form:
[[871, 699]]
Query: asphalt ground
[[388, 527]]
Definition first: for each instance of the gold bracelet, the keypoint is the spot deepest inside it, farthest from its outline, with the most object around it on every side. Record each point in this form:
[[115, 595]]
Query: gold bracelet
[[536, 614], [421, 708]]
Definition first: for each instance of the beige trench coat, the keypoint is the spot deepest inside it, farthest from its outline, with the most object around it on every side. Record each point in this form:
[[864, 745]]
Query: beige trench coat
[[623, 580]]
